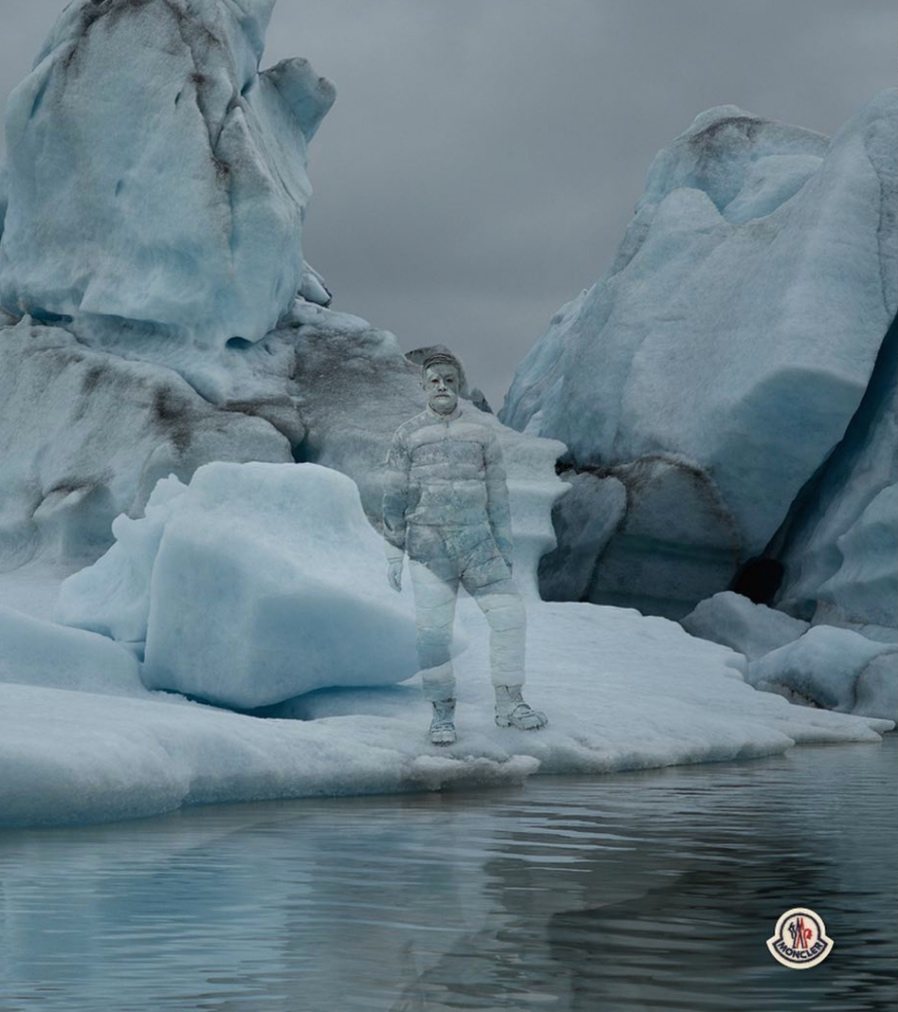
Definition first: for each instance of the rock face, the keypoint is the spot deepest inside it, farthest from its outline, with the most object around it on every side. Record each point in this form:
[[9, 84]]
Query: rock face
[[164, 203], [721, 359]]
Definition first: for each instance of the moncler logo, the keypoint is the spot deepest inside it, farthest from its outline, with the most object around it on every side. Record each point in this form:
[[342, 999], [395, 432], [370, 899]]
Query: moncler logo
[[800, 939]]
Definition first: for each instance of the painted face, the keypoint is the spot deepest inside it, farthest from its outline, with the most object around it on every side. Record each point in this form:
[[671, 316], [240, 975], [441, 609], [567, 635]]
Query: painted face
[[441, 383]]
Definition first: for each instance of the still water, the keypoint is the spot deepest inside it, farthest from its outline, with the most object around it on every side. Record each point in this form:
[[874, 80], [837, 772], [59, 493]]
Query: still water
[[652, 890]]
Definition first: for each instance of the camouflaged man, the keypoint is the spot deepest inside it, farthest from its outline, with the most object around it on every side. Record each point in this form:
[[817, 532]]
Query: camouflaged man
[[446, 507]]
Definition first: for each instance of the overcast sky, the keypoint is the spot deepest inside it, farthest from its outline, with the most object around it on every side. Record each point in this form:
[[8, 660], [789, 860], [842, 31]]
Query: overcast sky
[[483, 156]]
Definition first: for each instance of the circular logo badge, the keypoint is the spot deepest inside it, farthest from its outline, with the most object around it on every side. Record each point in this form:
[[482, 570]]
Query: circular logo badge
[[800, 939]]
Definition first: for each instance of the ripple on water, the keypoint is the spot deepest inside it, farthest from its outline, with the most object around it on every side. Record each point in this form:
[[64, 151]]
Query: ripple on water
[[649, 890]]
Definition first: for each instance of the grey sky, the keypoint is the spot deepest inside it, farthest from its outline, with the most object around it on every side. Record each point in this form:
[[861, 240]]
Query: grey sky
[[484, 156]]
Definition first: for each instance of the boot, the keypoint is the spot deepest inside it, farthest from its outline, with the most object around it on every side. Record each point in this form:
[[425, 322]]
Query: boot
[[442, 727], [512, 711]]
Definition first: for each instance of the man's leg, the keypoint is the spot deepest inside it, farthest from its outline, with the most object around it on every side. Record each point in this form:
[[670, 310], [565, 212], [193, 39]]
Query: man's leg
[[434, 618], [503, 609], [488, 580]]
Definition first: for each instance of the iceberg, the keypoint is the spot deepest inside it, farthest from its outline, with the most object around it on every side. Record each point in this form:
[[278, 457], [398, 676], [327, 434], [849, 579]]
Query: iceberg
[[834, 668], [355, 388], [87, 432], [721, 359], [112, 597], [85, 435], [230, 567], [254, 584], [751, 629], [177, 394], [37, 652], [167, 317], [840, 542], [163, 204], [625, 692], [584, 518]]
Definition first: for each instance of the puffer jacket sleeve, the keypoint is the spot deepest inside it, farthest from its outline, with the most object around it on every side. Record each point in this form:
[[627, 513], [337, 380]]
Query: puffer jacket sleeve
[[396, 492], [497, 497]]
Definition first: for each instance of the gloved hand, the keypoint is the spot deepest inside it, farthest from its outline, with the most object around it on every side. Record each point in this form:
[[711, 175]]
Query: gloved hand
[[506, 550], [394, 574]]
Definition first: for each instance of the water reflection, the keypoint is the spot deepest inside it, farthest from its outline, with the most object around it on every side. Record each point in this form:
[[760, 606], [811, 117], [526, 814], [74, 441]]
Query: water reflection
[[635, 891]]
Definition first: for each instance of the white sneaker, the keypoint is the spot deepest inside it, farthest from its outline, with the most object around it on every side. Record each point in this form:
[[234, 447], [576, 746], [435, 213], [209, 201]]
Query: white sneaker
[[442, 727], [512, 711]]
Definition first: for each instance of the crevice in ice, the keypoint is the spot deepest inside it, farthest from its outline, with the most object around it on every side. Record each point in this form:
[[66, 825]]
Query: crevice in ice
[[200, 82], [46, 316], [884, 227], [39, 97], [758, 579], [302, 452]]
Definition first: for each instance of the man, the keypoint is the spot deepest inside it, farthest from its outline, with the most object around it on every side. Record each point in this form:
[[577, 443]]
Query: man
[[446, 507]]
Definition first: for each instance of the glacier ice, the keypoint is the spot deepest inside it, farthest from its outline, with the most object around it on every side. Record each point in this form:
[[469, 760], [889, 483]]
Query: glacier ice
[[675, 531], [584, 518], [112, 597], [87, 432], [357, 388], [294, 603], [164, 203], [312, 287], [841, 540], [85, 435], [835, 668], [733, 338], [663, 697], [37, 652], [172, 270], [822, 665], [734, 621], [175, 279], [264, 581]]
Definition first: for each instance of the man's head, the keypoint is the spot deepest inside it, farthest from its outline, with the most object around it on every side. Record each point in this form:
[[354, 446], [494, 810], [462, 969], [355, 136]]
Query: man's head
[[441, 378]]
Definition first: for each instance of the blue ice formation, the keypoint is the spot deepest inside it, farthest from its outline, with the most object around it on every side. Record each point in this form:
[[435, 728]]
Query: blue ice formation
[[751, 629], [837, 669], [37, 652], [720, 360], [85, 435], [156, 178], [841, 544], [821, 665], [253, 584]]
